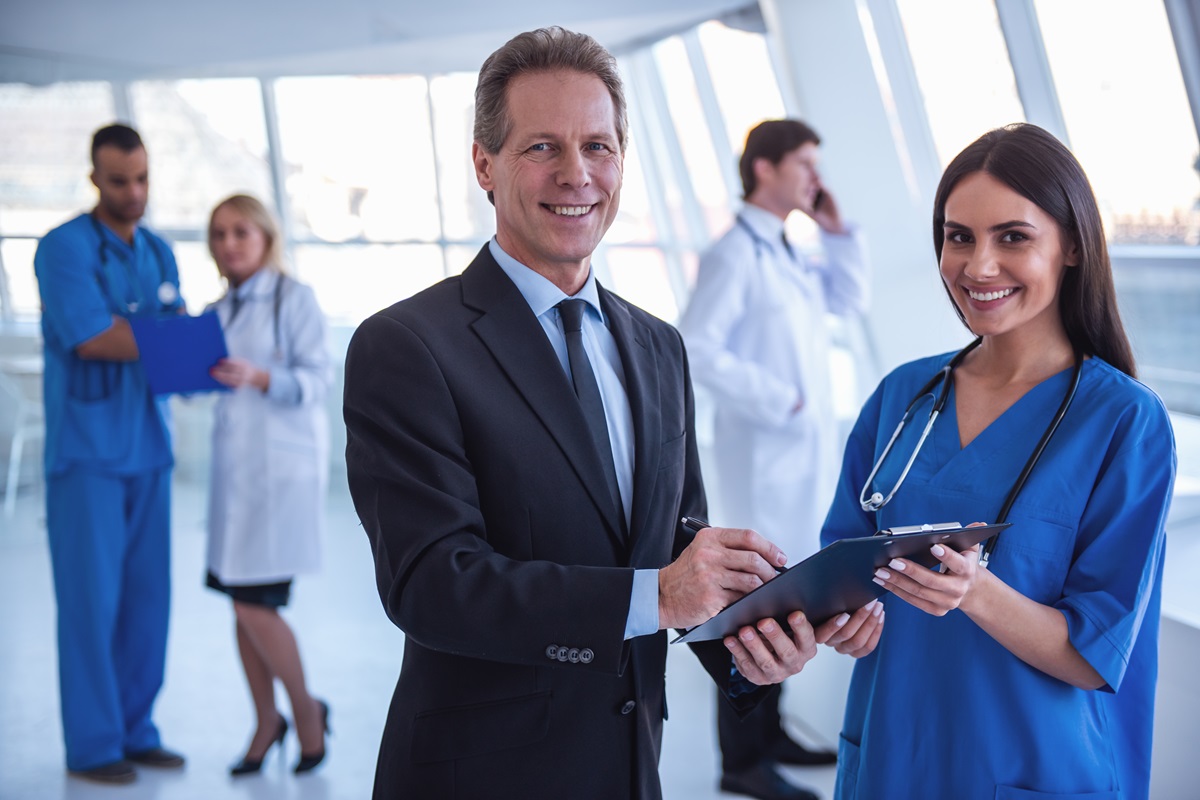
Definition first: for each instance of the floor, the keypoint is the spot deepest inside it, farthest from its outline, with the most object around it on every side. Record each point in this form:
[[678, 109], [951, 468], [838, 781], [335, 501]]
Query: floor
[[351, 652]]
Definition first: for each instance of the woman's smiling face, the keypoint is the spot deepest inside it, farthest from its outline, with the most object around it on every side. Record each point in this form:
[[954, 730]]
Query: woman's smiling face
[[1003, 259]]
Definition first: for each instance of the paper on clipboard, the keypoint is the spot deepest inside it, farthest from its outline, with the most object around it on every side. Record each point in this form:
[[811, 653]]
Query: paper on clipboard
[[177, 351], [837, 578]]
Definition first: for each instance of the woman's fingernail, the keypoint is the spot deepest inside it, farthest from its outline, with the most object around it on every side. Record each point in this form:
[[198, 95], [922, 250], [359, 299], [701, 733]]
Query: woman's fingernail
[[937, 550], [882, 573], [872, 604], [896, 563], [876, 580], [878, 612], [842, 620]]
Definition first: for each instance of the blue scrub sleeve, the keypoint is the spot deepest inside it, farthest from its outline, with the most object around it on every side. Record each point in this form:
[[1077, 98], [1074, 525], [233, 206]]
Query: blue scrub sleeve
[[73, 305], [1119, 549], [846, 518]]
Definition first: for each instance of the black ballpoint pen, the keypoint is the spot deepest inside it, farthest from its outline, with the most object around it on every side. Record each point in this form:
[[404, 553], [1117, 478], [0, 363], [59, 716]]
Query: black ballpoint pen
[[695, 525]]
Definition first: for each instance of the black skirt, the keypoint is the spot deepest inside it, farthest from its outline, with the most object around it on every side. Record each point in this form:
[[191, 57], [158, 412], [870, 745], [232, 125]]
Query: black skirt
[[271, 595]]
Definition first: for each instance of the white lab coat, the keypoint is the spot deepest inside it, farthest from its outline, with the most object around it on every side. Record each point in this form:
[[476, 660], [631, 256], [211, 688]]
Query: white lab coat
[[758, 343], [270, 452]]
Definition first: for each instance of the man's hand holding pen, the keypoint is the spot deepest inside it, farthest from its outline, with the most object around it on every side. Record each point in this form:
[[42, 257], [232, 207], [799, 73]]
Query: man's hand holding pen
[[718, 567]]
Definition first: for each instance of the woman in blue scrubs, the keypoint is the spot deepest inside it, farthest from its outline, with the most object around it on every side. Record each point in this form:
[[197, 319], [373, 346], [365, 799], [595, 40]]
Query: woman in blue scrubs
[[1033, 676]]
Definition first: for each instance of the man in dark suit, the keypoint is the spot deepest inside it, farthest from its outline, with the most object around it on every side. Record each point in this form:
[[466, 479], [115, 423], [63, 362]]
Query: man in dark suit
[[520, 452]]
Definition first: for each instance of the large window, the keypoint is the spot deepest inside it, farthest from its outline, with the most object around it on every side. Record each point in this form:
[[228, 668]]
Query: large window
[[359, 158], [742, 78], [45, 158], [963, 69], [1126, 112], [206, 140]]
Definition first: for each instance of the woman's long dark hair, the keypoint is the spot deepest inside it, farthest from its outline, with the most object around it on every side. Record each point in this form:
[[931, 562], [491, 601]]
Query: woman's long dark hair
[[1040, 168]]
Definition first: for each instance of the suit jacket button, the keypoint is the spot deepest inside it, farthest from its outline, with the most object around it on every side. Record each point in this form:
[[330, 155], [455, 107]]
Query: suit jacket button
[[628, 707], [552, 651], [586, 655], [573, 655], [561, 655]]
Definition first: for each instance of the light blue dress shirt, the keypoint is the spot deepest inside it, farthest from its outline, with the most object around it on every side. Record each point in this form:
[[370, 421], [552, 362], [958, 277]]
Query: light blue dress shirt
[[543, 297]]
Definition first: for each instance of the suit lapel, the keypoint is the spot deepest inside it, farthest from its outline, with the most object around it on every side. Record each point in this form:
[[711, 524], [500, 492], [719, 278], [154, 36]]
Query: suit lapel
[[517, 341], [642, 388]]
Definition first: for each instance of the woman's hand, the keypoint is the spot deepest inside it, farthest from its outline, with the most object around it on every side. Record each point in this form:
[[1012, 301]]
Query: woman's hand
[[238, 372], [854, 634], [934, 592]]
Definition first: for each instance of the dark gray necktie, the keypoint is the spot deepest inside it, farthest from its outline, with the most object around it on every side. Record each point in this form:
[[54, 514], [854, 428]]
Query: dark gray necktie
[[588, 392], [787, 246]]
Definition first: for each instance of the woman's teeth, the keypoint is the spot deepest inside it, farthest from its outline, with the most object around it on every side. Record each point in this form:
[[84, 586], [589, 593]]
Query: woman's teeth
[[986, 296]]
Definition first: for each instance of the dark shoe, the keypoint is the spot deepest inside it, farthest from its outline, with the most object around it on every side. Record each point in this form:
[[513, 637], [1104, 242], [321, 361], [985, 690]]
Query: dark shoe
[[248, 765], [158, 757], [789, 751], [309, 762], [117, 772], [765, 783]]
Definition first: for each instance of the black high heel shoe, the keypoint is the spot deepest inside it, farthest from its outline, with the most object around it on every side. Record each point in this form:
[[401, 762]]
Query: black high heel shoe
[[249, 766], [308, 763]]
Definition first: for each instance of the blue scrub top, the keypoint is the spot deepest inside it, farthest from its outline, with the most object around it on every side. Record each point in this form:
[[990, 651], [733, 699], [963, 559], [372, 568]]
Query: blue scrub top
[[100, 415], [940, 709]]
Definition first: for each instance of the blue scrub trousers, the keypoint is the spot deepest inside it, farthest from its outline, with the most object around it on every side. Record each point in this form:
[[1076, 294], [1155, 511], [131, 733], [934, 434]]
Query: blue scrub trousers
[[110, 550]]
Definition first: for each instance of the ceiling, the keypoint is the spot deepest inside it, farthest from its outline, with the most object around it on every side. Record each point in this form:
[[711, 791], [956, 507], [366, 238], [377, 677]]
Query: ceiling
[[45, 41]]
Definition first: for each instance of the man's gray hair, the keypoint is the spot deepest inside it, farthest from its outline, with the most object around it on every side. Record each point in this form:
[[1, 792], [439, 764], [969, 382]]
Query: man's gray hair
[[542, 50]]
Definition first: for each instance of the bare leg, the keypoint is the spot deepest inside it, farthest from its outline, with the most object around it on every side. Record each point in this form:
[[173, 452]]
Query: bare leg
[[274, 641], [262, 691]]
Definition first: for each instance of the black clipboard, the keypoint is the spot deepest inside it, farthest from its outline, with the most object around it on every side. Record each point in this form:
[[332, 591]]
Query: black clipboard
[[177, 351], [838, 578]]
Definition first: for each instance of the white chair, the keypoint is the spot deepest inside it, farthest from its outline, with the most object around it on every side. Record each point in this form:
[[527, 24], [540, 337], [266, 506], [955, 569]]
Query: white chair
[[24, 421]]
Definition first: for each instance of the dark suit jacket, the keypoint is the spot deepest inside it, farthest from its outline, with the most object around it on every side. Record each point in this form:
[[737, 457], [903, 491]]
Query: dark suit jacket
[[497, 550]]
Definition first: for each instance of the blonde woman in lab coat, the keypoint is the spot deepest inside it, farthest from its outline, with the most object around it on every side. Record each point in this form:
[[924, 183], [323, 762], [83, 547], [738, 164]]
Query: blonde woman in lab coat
[[269, 466]]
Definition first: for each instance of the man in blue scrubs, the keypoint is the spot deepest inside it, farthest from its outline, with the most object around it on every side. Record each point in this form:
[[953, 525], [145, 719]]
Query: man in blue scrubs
[[108, 467]]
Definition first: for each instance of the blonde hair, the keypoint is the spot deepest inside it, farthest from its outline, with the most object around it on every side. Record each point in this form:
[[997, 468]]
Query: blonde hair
[[252, 209]]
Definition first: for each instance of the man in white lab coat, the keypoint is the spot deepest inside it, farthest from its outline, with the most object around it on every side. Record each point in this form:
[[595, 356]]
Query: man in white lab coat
[[758, 342]]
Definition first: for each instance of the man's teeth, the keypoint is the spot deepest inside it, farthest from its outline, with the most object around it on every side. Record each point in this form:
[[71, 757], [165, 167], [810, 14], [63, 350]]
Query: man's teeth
[[986, 296], [570, 211]]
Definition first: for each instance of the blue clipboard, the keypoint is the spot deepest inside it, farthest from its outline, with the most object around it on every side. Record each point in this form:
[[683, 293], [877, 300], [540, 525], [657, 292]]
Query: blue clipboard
[[177, 351], [838, 578]]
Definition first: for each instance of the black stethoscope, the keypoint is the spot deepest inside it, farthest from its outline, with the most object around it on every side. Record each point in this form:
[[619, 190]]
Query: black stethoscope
[[945, 376], [760, 242], [168, 293]]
